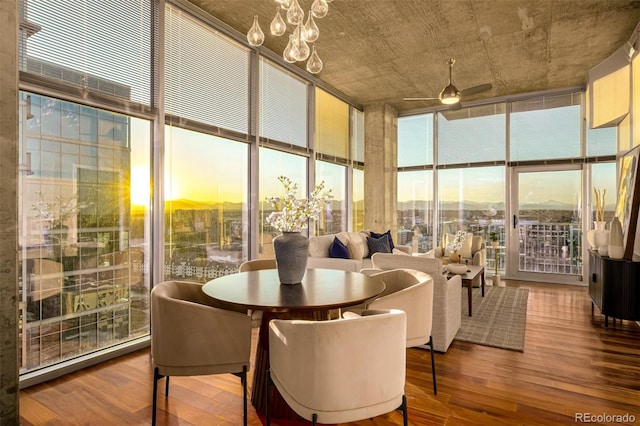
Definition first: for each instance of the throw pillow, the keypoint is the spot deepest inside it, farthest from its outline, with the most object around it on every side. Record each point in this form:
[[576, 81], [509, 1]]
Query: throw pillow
[[465, 251], [476, 244], [388, 233], [355, 250], [378, 245], [338, 250], [358, 239], [319, 245]]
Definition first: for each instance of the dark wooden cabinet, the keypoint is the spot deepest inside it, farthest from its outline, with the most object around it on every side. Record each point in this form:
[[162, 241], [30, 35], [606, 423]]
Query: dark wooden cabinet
[[614, 287]]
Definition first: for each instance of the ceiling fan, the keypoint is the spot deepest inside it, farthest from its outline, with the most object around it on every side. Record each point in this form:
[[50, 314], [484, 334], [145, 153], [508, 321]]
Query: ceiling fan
[[450, 95]]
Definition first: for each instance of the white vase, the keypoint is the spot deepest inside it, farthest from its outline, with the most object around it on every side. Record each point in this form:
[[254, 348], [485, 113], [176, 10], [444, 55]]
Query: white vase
[[600, 235], [591, 239], [616, 247]]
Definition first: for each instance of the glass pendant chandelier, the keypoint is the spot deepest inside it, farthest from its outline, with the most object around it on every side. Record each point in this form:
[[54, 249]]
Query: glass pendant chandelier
[[303, 35]]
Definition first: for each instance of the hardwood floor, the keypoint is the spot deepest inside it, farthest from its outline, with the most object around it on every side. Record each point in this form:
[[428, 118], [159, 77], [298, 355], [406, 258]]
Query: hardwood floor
[[571, 364]]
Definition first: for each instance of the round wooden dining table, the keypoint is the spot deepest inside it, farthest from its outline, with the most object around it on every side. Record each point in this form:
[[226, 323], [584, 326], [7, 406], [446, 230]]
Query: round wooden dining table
[[321, 291]]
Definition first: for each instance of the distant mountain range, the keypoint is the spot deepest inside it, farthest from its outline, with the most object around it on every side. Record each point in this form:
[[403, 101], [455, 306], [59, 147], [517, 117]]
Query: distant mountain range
[[483, 206], [185, 204]]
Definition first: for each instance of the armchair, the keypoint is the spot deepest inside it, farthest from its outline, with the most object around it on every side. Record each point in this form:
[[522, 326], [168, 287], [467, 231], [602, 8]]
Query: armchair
[[340, 370], [410, 291], [190, 338], [473, 250], [447, 294]]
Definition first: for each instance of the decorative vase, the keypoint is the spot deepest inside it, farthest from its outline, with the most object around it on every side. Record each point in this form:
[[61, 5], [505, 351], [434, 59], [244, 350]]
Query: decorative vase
[[291, 252], [454, 257], [600, 236], [591, 239], [616, 247]]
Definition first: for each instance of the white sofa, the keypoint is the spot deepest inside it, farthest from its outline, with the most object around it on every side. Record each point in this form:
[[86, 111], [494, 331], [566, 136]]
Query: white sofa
[[356, 243], [447, 293]]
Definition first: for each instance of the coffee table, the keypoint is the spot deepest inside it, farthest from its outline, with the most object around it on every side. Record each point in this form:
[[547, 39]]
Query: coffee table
[[474, 274]]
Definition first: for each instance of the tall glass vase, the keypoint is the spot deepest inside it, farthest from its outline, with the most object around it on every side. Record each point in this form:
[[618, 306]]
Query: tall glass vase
[[291, 251]]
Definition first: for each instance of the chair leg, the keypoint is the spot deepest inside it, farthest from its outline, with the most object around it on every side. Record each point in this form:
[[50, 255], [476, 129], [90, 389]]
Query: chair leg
[[156, 377], [433, 366], [244, 393], [405, 416], [166, 388], [314, 419], [268, 388]]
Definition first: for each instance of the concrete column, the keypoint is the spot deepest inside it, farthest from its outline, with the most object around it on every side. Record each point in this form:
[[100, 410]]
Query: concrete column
[[9, 369], [380, 159]]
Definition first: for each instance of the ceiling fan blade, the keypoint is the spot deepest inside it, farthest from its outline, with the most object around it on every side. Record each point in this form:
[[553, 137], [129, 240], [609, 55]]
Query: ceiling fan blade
[[476, 89], [455, 107], [419, 99]]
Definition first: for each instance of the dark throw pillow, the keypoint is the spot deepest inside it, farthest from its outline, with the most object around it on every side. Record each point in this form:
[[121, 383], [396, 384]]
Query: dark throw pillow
[[388, 234], [378, 245], [338, 250]]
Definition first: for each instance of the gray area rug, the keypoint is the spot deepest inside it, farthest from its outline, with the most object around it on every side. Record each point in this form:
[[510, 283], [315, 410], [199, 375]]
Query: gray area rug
[[499, 318]]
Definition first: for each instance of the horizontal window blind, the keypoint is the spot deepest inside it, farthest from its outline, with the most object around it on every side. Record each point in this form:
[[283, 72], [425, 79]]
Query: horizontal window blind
[[102, 46], [472, 135], [415, 140], [332, 125], [547, 127], [283, 105], [206, 74]]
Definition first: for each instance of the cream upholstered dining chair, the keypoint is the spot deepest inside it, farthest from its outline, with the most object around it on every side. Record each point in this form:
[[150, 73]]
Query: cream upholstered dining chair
[[190, 337], [257, 265], [412, 292], [340, 370]]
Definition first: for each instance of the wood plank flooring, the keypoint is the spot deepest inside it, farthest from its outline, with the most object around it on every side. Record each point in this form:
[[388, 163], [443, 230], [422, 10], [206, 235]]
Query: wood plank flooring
[[571, 364]]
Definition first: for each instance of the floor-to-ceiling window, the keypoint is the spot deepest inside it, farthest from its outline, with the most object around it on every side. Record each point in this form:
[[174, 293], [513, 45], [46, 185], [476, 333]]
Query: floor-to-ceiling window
[[415, 182], [206, 170], [284, 140], [546, 213], [84, 242], [470, 182], [331, 144], [84, 203]]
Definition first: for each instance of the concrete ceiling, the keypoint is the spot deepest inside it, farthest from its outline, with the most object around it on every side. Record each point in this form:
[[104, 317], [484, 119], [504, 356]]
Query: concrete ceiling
[[381, 51]]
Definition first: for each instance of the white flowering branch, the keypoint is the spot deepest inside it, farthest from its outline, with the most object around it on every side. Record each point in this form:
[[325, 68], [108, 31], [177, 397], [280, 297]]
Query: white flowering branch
[[457, 242], [54, 213], [292, 214]]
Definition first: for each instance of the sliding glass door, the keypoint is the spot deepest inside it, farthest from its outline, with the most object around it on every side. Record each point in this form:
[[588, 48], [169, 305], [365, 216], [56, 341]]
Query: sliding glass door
[[546, 223]]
